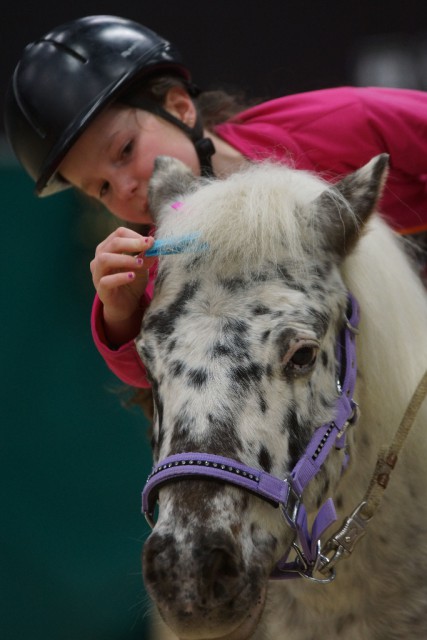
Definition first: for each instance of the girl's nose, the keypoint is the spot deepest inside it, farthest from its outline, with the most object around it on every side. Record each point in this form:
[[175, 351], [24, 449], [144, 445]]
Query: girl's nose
[[125, 186]]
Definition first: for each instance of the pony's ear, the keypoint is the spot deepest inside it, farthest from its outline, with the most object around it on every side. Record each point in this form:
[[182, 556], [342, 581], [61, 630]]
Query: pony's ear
[[171, 180], [343, 211]]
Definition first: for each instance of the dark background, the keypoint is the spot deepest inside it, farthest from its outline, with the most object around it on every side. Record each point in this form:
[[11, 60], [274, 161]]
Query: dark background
[[73, 459], [268, 47]]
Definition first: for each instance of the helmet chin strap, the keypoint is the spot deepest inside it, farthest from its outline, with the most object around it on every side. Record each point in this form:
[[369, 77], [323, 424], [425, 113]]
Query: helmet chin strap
[[204, 146]]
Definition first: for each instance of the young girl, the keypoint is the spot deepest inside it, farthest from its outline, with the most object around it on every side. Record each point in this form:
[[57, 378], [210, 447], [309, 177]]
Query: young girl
[[95, 101]]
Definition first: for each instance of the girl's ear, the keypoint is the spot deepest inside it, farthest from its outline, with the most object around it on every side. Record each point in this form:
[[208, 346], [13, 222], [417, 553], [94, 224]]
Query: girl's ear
[[180, 105]]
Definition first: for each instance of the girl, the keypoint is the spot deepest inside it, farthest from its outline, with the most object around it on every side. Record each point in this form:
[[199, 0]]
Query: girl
[[94, 101]]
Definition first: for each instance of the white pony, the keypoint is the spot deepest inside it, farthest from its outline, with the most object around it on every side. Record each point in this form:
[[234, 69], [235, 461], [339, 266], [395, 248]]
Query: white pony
[[242, 345]]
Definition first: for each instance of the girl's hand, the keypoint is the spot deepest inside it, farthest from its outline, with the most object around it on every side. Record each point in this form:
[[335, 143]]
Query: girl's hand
[[120, 275]]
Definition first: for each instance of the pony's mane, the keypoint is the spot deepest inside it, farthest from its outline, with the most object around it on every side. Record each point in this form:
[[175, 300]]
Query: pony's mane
[[394, 312], [250, 215]]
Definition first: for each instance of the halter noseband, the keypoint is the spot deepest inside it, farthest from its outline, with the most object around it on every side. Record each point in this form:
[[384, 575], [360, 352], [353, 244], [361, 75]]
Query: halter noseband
[[284, 493]]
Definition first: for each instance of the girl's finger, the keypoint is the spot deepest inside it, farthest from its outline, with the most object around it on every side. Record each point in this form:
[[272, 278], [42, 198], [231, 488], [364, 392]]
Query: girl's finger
[[116, 280]]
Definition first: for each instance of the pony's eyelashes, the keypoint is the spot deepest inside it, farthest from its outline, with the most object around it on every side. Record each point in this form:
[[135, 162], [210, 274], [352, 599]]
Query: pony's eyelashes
[[301, 357]]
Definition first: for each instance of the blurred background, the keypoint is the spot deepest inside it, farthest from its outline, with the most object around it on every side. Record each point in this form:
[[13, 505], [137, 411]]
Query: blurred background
[[73, 457]]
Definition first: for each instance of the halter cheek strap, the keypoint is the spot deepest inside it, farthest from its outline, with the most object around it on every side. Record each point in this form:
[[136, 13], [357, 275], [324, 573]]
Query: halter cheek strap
[[284, 493]]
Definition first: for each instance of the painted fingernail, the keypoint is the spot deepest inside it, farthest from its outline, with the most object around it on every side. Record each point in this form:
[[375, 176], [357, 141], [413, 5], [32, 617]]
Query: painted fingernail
[[131, 275], [139, 261]]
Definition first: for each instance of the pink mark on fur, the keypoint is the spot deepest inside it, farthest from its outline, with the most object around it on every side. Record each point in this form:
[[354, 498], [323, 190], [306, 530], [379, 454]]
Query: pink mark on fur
[[177, 205]]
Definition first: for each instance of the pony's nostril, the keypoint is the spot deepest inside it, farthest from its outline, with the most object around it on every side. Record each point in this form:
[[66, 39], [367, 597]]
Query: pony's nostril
[[159, 559], [216, 568], [220, 573]]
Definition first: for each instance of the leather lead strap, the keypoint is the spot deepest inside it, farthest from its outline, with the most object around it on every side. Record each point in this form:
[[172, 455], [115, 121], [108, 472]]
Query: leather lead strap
[[387, 458]]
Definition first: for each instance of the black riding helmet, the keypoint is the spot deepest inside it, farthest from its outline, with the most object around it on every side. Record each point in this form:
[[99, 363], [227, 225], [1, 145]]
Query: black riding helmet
[[68, 76]]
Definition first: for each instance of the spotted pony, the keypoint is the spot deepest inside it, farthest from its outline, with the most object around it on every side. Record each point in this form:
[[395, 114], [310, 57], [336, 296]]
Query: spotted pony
[[241, 347]]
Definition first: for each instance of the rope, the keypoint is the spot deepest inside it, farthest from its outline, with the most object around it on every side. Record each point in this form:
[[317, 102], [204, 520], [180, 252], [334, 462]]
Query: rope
[[387, 458]]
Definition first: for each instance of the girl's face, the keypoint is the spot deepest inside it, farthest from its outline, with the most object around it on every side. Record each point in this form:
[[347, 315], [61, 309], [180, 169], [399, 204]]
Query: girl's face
[[113, 159]]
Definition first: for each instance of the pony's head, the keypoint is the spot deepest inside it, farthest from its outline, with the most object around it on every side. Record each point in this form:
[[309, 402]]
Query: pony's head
[[240, 348]]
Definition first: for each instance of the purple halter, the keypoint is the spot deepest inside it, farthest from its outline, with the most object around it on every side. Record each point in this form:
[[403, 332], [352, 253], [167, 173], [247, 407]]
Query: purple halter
[[284, 493]]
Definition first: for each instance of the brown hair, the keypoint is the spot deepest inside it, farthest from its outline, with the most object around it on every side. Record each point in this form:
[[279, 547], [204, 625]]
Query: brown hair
[[214, 106]]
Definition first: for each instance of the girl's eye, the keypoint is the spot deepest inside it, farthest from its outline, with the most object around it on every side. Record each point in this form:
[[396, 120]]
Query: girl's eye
[[127, 149], [104, 189]]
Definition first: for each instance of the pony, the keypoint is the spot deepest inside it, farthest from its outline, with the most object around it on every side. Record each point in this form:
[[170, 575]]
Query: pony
[[249, 344]]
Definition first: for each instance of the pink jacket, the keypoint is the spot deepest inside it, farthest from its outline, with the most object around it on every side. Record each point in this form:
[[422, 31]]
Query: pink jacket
[[332, 132]]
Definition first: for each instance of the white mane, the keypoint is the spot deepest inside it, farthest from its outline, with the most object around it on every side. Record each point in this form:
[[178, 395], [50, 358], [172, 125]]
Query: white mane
[[250, 215], [393, 343]]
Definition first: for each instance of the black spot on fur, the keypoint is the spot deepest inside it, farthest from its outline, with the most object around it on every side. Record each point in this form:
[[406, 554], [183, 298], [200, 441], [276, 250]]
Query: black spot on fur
[[222, 438], [158, 404], [265, 336], [264, 459], [197, 377], [284, 341], [284, 274], [245, 376], [163, 322], [320, 321], [235, 326], [299, 436], [146, 353], [221, 349], [177, 368], [162, 274], [195, 262], [235, 338], [324, 358], [233, 284], [182, 437], [260, 276], [171, 345], [260, 310], [262, 403]]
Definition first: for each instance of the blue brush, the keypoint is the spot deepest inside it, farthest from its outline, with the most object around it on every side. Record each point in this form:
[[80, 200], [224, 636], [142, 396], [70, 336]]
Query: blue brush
[[172, 246]]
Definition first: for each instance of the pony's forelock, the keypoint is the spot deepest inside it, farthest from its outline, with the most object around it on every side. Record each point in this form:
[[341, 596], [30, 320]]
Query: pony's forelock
[[253, 215]]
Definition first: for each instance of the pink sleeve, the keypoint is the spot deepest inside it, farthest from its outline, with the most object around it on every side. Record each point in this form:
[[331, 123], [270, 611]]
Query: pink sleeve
[[124, 362]]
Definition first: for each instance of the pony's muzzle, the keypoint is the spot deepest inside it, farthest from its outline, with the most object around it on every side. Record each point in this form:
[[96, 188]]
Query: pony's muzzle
[[199, 584], [211, 566]]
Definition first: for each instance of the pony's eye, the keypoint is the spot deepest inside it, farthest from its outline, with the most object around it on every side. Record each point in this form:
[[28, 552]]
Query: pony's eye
[[304, 357], [301, 358]]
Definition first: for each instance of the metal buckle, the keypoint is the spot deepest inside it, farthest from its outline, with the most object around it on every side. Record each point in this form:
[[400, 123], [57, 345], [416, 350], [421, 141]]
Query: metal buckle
[[307, 570], [351, 420], [342, 543], [150, 520], [290, 508], [354, 330]]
